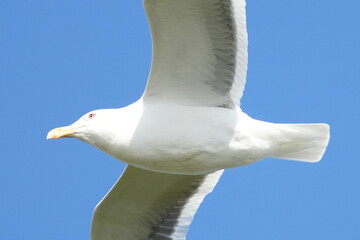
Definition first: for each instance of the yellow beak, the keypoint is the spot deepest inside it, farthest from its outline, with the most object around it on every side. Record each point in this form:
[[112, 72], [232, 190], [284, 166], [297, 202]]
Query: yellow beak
[[61, 132]]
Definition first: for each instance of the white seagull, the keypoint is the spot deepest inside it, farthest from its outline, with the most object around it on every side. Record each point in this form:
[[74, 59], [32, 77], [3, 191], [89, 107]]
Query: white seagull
[[188, 126]]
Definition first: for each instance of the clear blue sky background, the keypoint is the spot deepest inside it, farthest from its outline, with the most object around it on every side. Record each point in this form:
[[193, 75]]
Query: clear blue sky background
[[61, 59]]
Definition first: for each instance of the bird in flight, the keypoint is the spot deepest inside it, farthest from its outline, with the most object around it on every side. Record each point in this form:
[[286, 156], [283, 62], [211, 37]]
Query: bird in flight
[[188, 126]]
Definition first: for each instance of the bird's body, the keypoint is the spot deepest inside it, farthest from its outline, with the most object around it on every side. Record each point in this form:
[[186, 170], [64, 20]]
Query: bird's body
[[193, 139], [188, 126]]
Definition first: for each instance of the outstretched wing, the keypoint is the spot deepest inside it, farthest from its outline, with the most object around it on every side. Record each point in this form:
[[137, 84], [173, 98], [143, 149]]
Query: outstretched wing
[[150, 205], [199, 52]]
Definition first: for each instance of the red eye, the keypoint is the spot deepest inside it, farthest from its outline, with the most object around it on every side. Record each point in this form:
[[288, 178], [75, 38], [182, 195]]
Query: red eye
[[91, 115]]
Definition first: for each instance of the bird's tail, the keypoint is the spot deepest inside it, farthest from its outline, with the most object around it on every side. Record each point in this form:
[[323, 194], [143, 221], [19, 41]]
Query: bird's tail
[[302, 142]]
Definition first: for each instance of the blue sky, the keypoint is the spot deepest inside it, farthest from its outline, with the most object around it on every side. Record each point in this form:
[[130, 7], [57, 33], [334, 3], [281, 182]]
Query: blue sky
[[61, 59]]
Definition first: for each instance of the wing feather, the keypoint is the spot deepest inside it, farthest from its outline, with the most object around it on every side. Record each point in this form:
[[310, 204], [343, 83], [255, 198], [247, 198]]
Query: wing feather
[[199, 52], [150, 205]]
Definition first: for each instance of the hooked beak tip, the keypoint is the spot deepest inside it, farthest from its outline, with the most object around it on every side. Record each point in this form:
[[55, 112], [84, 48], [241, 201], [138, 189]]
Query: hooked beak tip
[[60, 132]]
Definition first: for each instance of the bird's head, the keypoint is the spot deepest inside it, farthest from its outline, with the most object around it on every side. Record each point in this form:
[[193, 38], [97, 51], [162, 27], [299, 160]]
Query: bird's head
[[83, 129], [90, 128], [102, 128]]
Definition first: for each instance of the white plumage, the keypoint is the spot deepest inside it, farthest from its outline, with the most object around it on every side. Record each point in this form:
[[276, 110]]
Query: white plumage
[[188, 125], [150, 205], [199, 52]]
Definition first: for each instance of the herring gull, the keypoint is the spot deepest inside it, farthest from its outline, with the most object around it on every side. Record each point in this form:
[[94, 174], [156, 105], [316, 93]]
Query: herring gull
[[187, 126]]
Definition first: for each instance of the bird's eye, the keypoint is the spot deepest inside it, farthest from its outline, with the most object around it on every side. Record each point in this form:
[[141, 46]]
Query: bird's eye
[[91, 115]]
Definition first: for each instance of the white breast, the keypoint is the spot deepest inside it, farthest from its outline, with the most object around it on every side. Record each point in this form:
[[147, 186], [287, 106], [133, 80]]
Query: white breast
[[184, 139]]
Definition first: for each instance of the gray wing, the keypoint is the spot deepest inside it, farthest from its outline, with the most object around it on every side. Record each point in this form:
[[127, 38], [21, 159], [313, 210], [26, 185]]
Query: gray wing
[[199, 52], [146, 205]]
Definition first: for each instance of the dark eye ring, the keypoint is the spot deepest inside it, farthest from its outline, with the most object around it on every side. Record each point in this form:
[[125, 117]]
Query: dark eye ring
[[91, 115]]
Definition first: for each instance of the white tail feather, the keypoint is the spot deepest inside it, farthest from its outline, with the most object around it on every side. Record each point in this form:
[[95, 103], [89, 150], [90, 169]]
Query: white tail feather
[[302, 142]]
